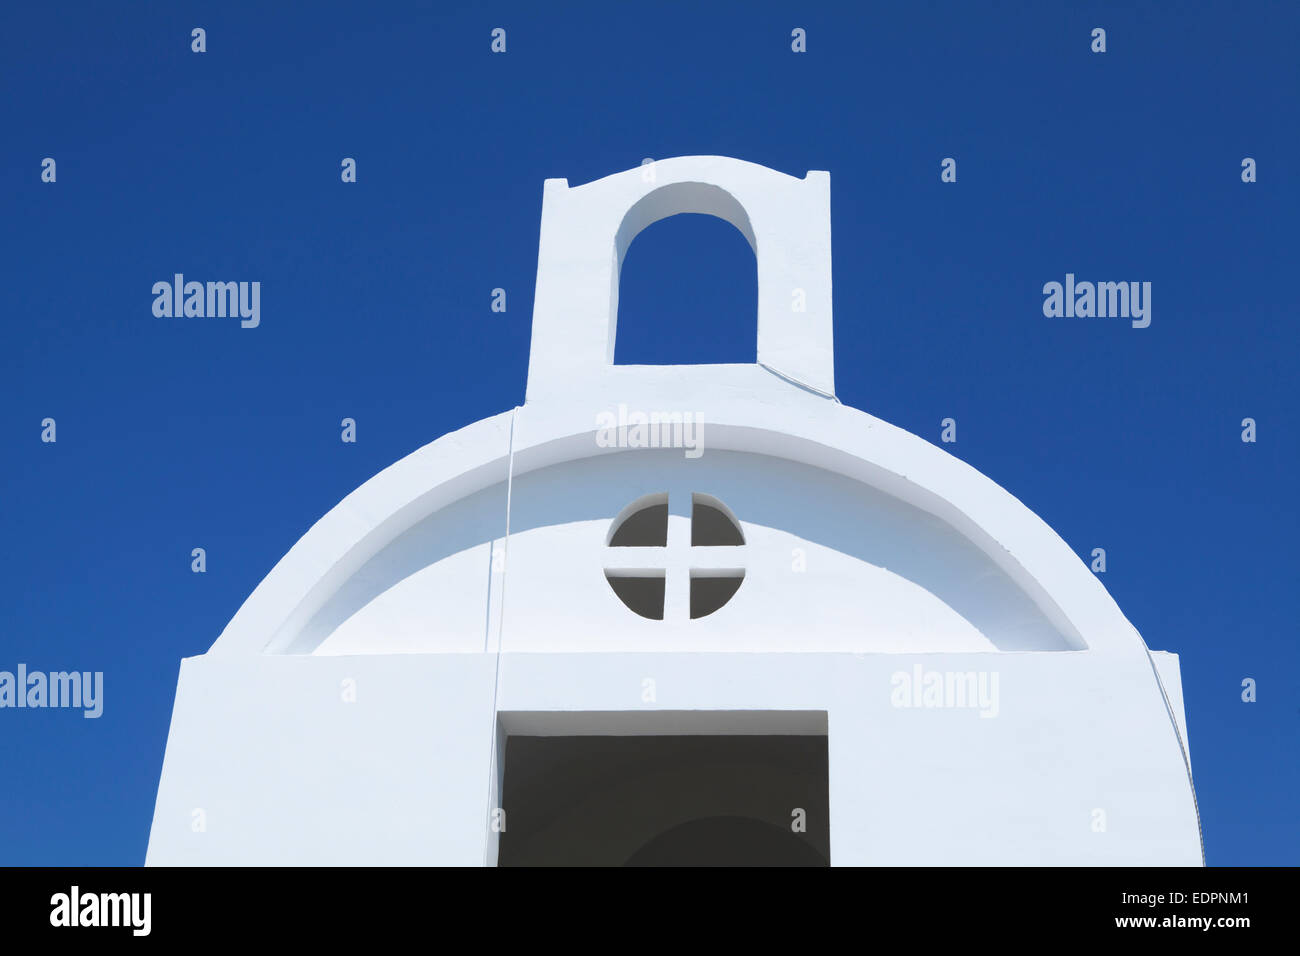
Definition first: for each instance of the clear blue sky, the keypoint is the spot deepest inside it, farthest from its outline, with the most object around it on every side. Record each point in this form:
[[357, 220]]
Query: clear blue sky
[[175, 434]]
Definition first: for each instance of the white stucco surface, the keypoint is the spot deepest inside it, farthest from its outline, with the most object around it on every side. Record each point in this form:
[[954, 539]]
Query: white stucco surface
[[466, 583]]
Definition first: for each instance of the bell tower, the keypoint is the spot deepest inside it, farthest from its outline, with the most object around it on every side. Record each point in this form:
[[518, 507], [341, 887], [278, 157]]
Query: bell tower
[[586, 231]]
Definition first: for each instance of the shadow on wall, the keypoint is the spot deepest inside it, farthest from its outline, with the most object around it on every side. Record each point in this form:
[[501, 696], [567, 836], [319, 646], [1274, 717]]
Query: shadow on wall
[[807, 503]]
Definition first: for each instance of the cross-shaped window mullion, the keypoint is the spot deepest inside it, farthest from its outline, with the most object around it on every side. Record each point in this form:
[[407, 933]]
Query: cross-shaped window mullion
[[631, 561], [678, 560], [720, 557]]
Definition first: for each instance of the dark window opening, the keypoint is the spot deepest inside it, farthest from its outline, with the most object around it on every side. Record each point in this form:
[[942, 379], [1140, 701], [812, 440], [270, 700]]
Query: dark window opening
[[711, 525], [708, 594], [644, 595], [647, 528]]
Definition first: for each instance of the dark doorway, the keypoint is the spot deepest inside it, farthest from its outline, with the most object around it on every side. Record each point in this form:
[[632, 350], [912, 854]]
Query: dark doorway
[[727, 841], [698, 800]]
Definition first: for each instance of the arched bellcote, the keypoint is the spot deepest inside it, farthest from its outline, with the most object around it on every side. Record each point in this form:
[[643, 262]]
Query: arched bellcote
[[586, 231]]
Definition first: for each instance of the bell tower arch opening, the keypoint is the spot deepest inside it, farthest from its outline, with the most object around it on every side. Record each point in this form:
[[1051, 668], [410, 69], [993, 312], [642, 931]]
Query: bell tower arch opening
[[694, 267], [587, 231]]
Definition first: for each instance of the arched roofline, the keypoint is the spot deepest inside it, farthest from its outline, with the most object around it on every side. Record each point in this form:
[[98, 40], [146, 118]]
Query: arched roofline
[[823, 434]]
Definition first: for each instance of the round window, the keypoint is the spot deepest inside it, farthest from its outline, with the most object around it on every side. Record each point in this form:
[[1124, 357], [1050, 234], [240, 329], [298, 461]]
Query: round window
[[660, 569]]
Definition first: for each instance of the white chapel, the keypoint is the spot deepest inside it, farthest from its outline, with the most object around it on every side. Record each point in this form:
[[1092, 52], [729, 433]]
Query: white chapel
[[678, 615]]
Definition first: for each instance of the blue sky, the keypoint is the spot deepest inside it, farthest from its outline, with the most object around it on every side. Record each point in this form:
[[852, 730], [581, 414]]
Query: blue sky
[[174, 433]]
